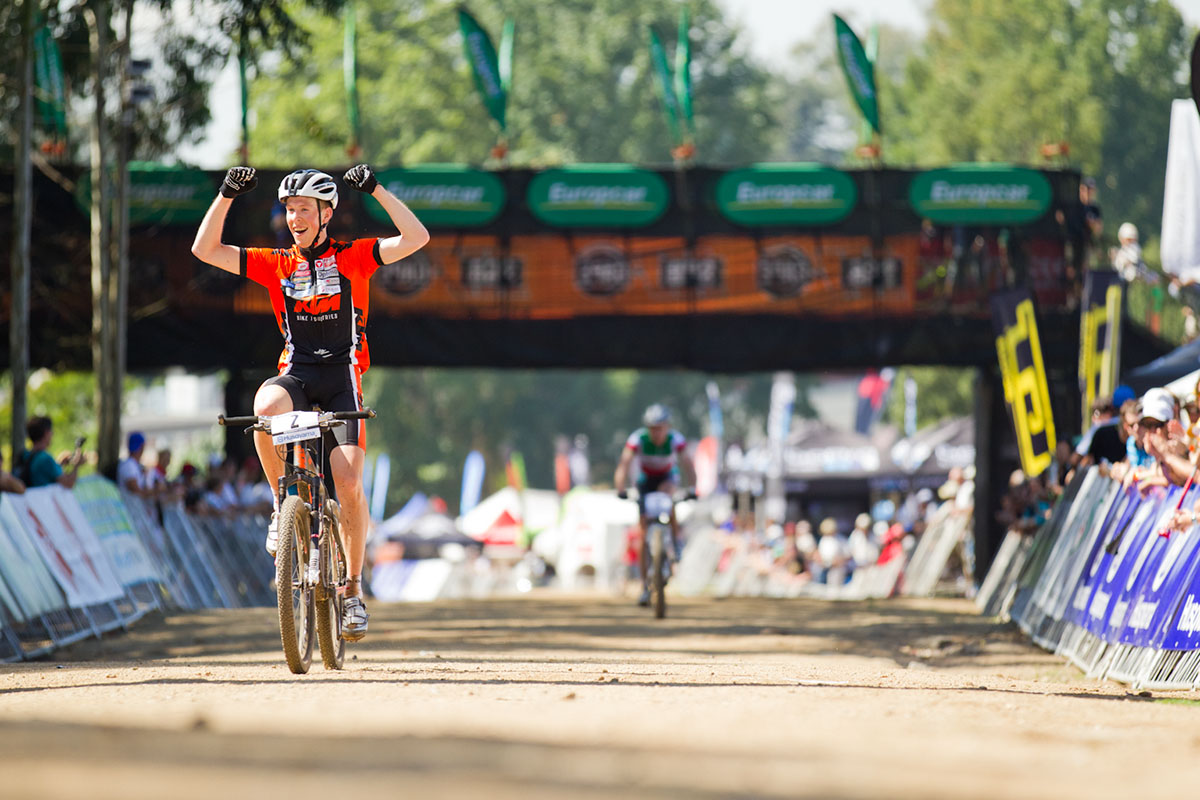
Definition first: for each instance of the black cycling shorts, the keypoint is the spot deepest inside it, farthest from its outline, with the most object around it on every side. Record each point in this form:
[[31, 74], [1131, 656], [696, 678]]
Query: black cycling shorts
[[647, 484], [333, 387]]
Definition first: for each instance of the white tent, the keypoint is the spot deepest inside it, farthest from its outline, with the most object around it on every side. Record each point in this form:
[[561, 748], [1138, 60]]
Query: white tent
[[537, 509]]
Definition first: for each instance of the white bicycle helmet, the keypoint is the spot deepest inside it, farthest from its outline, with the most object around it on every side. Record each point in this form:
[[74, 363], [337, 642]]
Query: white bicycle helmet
[[309, 183], [657, 414]]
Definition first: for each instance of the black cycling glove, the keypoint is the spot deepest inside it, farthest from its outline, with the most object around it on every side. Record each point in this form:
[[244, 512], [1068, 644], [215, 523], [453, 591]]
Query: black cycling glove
[[239, 180], [362, 178]]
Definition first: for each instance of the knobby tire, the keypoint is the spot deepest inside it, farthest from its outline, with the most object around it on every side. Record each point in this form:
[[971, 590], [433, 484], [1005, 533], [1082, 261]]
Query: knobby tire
[[295, 601], [330, 602], [658, 554]]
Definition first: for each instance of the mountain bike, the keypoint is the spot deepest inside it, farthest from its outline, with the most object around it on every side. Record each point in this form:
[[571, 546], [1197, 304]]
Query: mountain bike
[[657, 508], [310, 557]]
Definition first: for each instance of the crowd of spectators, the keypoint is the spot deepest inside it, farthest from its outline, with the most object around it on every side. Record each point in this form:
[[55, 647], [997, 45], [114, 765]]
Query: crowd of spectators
[[1146, 443], [227, 489], [833, 549]]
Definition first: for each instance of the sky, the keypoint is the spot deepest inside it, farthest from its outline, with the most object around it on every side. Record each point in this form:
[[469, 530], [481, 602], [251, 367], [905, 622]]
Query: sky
[[773, 27]]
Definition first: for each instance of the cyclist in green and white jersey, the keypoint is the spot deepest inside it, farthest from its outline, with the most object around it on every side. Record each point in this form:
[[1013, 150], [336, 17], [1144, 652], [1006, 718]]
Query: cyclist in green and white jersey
[[661, 452]]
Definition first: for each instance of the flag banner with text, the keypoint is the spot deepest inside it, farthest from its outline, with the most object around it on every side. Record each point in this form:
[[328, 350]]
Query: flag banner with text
[[1024, 374], [1099, 338], [485, 67], [859, 71]]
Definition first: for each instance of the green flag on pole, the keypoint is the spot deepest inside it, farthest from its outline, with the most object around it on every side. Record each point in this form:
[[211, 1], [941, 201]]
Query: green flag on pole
[[683, 71], [666, 86], [484, 66], [350, 76], [506, 56], [859, 71], [50, 94]]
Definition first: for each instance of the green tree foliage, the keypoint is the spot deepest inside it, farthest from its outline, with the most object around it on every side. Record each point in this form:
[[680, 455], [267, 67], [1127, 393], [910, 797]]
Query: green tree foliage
[[191, 46], [942, 393], [63, 397], [582, 87], [995, 81]]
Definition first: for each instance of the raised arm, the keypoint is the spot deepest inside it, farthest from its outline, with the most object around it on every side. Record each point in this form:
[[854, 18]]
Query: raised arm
[[208, 246], [413, 235]]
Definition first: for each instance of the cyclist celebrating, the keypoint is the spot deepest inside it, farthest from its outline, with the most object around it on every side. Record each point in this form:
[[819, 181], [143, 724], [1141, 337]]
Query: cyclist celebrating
[[660, 450], [318, 290]]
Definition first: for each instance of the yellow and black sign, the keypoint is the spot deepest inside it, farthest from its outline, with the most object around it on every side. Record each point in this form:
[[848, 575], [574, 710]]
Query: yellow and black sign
[[1024, 375], [1099, 338]]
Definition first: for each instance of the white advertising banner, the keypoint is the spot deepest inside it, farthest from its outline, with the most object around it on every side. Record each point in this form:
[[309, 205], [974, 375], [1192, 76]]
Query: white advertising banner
[[101, 502], [1181, 197], [22, 569], [69, 547]]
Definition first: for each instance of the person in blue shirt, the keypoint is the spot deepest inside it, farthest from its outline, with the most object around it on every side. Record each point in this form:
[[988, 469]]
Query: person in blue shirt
[[36, 467]]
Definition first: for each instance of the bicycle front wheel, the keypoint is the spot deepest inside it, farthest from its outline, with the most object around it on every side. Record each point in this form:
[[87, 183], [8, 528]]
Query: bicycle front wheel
[[330, 602], [658, 557], [295, 598]]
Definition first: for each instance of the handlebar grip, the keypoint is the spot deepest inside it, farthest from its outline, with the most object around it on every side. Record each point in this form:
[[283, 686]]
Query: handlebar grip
[[224, 420], [366, 413]]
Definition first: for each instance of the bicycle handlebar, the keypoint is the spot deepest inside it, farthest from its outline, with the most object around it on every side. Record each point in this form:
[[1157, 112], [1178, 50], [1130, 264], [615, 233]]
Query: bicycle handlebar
[[326, 416]]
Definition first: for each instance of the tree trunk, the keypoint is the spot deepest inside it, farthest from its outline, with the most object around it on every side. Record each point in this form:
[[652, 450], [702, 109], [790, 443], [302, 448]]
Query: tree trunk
[[18, 331], [103, 350]]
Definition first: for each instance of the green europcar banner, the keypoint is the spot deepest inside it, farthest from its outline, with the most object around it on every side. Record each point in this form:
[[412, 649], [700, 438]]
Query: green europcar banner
[[443, 195], [159, 195], [860, 73], [786, 194], [597, 196], [485, 67], [983, 194]]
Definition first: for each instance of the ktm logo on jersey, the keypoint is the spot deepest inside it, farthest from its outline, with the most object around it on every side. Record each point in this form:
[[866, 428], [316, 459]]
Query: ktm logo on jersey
[[318, 305]]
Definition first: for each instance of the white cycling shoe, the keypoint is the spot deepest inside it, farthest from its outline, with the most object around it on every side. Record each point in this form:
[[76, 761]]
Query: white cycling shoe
[[272, 543], [354, 619]]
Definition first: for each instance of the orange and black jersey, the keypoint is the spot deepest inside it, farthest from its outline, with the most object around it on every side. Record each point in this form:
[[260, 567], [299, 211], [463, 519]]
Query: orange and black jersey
[[320, 303]]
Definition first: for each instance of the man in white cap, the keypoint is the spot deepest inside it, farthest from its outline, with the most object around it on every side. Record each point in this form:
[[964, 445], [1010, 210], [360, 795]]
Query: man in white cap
[[1158, 409]]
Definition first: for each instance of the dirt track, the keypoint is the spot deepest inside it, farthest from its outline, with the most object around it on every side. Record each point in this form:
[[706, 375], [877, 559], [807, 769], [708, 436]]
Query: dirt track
[[557, 696]]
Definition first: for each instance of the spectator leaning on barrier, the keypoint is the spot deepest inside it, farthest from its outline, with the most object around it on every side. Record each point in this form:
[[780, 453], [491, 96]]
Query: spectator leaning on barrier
[[131, 475], [864, 550], [8, 482], [1105, 440], [156, 476], [834, 552], [36, 467]]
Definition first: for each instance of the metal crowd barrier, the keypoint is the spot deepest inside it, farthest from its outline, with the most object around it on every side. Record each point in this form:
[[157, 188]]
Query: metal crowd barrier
[[76, 564], [1107, 585]]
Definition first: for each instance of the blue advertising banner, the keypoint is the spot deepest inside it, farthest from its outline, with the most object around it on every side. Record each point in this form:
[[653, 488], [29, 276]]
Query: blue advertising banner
[[1090, 528], [1161, 585], [1119, 516], [1113, 570], [1183, 632], [1151, 554]]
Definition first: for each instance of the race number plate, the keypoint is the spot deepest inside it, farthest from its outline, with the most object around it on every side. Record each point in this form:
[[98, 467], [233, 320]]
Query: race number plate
[[294, 426]]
